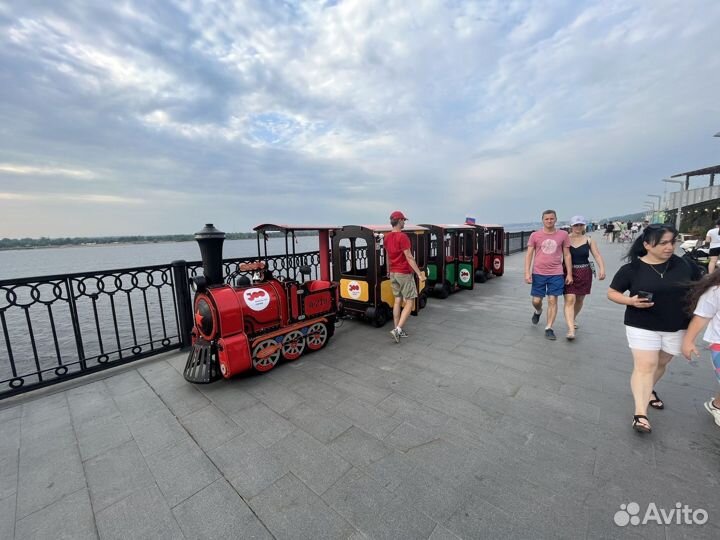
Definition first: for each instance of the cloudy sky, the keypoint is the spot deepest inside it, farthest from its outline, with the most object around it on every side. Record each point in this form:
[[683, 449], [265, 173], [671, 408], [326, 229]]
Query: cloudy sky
[[136, 117]]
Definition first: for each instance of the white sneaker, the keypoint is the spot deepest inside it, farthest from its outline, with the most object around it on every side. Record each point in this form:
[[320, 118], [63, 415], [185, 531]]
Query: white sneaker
[[712, 409], [395, 335], [402, 333]]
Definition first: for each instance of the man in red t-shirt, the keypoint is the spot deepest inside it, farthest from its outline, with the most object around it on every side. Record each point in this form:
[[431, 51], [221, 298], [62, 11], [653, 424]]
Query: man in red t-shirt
[[401, 264]]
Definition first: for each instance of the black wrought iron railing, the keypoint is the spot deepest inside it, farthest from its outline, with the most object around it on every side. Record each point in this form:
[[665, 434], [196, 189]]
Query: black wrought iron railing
[[55, 328], [516, 242]]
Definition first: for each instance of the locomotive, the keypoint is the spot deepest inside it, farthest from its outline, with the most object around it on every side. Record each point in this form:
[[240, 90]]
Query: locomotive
[[253, 321]]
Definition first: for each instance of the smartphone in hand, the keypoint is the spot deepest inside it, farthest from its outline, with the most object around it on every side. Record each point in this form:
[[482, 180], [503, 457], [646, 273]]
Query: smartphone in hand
[[646, 295]]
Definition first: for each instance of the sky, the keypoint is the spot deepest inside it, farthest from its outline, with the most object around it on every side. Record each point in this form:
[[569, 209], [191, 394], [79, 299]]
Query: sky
[[135, 117]]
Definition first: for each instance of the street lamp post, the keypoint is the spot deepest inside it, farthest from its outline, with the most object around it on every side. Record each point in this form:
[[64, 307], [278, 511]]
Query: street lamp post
[[650, 205], [678, 217]]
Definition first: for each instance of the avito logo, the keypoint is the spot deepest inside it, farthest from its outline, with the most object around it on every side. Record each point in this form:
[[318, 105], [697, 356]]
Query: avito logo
[[629, 514]]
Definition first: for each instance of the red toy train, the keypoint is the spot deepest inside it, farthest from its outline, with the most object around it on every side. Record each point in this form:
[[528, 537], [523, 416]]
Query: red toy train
[[256, 320]]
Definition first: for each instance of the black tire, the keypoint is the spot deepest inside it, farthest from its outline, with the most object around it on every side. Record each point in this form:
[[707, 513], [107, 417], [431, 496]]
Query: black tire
[[381, 317], [422, 301], [441, 290], [480, 276]]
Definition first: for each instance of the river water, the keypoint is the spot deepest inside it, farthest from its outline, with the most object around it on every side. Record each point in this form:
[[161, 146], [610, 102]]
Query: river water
[[63, 260]]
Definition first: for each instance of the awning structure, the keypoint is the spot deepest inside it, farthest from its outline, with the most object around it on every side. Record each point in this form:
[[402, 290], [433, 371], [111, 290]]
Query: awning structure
[[712, 171]]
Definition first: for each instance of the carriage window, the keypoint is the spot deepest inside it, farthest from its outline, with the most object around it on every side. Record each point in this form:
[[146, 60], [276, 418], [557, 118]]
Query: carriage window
[[418, 244], [360, 258], [466, 241], [449, 246], [345, 254], [433, 246]]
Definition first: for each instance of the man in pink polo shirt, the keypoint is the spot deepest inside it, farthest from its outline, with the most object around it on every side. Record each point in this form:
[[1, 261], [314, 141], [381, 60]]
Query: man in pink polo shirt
[[546, 251]]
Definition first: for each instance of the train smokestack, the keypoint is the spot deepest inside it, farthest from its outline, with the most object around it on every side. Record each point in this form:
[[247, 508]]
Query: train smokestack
[[211, 241]]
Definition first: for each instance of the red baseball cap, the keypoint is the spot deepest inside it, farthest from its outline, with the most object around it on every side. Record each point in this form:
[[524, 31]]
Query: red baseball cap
[[397, 214]]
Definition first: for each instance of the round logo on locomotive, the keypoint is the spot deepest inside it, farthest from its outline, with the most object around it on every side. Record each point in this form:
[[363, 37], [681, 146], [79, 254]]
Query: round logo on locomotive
[[464, 275], [256, 299], [354, 290], [496, 263]]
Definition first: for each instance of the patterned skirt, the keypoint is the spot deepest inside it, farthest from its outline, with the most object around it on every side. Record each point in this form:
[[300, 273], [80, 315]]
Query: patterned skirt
[[582, 280]]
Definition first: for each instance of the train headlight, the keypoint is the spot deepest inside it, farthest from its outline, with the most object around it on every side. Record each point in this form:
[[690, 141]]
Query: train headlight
[[204, 320]]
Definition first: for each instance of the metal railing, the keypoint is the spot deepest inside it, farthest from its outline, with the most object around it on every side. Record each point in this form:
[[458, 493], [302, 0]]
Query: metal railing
[[55, 328], [515, 242]]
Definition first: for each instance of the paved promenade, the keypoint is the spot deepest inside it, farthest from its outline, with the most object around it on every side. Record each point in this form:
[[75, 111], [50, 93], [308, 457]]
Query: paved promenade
[[474, 427]]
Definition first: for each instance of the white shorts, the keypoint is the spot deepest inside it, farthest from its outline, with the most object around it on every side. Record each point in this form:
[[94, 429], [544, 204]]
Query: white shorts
[[649, 340]]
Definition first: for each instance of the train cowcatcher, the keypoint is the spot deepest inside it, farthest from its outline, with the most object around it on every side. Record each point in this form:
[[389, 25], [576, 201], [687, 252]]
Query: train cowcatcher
[[251, 321]]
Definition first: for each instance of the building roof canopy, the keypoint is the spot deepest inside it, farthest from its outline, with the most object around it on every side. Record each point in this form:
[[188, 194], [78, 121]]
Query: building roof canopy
[[715, 169]]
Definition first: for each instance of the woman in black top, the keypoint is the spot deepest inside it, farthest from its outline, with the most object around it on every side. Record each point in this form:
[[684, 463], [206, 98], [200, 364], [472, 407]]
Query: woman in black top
[[655, 317]]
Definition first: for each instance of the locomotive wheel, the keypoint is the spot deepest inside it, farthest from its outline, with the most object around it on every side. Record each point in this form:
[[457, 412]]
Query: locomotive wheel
[[293, 345], [262, 357], [381, 317], [317, 336]]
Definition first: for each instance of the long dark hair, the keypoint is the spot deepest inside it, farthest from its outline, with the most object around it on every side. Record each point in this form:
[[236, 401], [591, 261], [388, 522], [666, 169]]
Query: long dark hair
[[699, 288], [652, 234]]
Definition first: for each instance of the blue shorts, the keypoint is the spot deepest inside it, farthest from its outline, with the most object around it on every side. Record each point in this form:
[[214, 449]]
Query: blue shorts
[[547, 285]]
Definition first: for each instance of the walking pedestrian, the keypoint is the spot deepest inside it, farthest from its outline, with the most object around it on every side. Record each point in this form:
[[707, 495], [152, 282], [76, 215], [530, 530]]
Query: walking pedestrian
[[547, 248], [581, 247], [609, 229], [401, 264], [713, 239], [655, 315], [705, 305]]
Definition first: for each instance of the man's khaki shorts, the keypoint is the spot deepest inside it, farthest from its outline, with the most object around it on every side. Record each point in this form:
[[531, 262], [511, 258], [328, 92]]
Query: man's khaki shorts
[[403, 286]]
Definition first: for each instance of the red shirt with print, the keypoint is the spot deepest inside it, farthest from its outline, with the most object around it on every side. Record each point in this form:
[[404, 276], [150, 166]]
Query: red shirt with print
[[395, 245]]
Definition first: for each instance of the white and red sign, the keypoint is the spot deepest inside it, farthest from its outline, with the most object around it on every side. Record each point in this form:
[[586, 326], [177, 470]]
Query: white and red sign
[[256, 299], [354, 290], [465, 275], [497, 263]]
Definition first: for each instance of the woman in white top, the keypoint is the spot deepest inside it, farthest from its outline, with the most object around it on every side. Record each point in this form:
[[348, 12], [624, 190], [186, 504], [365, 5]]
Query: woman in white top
[[713, 238]]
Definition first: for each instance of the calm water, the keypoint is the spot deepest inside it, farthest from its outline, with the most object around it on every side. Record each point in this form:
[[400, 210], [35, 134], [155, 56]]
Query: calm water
[[49, 261]]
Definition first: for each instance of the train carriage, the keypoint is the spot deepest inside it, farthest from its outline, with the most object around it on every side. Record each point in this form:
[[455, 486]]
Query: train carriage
[[451, 262], [360, 269], [490, 255], [259, 317]]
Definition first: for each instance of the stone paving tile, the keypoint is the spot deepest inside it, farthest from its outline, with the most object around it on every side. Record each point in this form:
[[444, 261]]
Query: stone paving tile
[[266, 426], [53, 408], [248, 466], [116, 474], [43, 481], [9, 468], [322, 424], [289, 509], [142, 515], [311, 461], [441, 533], [228, 395], [434, 496], [90, 403], [445, 460], [10, 435], [138, 404], [406, 436], [7, 517], [101, 434], [375, 511], [391, 470], [182, 471], [183, 400], [125, 383], [359, 448], [210, 427], [274, 395], [10, 413], [218, 512], [158, 431], [52, 522], [318, 392], [367, 417]]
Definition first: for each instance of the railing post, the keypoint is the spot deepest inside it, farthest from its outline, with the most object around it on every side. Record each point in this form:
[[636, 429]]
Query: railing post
[[181, 285]]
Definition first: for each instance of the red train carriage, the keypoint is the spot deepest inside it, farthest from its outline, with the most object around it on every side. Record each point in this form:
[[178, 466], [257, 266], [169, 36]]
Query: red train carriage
[[490, 256], [257, 319]]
